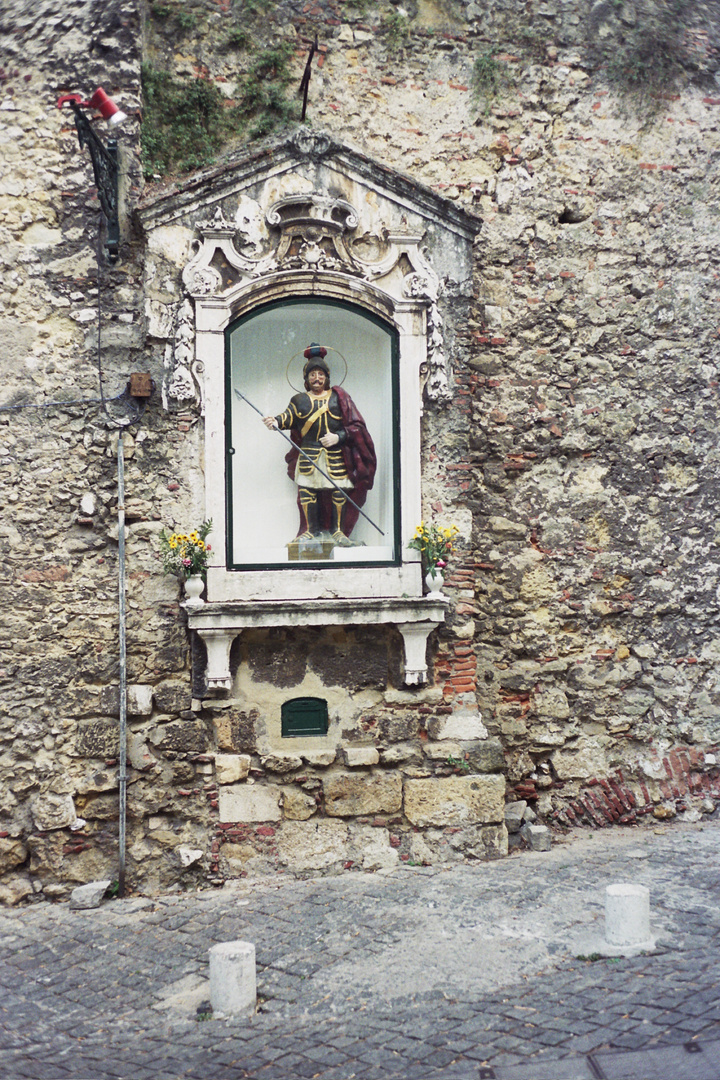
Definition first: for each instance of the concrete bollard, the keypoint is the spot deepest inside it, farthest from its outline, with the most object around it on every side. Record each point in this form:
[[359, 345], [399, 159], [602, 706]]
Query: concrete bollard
[[627, 916], [232, 978]]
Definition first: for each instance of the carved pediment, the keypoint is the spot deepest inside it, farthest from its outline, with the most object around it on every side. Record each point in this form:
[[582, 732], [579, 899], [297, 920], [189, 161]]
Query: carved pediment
[[310, 231], [318, 233], [311, 215]]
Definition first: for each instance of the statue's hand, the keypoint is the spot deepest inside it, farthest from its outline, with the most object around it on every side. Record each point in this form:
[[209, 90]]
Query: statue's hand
[[270, 422], [331, 439]]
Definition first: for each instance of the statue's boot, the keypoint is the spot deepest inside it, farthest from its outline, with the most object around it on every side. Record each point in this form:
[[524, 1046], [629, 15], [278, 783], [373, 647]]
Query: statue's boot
[[309, 509], [339, 503]]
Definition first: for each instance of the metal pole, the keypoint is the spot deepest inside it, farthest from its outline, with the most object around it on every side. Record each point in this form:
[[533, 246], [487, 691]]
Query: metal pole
[[122, 773]]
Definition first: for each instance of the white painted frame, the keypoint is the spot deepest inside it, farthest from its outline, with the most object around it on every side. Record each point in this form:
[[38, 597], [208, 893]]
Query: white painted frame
[[407, 316]]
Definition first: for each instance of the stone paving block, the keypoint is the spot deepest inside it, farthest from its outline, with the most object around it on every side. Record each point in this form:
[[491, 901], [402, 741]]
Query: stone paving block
[[458, 1070], [692, 1024], [674, 1062], [583, 1004], [565, 1069]]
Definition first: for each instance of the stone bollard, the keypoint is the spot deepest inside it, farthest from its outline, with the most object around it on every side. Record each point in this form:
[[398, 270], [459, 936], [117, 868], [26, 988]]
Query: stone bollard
[[627, 917], [232, 978]]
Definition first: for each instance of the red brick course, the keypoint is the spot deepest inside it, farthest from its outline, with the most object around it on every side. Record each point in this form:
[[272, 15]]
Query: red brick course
[[609, 800]]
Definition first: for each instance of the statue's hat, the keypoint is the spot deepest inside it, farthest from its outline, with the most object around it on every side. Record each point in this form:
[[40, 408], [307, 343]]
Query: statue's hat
[[315, 358]]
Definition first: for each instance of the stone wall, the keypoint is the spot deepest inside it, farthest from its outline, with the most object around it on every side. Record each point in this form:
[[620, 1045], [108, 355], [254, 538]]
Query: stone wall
[[578, 455]]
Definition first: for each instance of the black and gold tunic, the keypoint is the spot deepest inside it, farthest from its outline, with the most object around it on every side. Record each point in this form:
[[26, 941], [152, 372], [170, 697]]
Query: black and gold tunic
[[312, 416]]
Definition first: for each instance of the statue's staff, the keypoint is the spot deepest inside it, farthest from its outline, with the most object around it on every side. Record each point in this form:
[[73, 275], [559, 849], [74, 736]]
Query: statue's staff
[[314, 464]]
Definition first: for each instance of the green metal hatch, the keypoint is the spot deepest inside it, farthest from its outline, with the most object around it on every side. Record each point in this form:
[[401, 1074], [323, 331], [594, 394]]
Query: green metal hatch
[[304, 716]]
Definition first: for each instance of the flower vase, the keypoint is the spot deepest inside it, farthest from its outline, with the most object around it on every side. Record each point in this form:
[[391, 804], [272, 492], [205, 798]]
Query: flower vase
[[194, 586], [434, 579]]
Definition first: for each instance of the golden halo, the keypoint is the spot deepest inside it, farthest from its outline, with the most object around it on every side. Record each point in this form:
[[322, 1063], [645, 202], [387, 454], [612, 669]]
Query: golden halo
[[329, 348]]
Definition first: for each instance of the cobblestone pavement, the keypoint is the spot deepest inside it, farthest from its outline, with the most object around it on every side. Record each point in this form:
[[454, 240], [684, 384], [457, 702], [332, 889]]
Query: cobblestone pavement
[[462, 973]]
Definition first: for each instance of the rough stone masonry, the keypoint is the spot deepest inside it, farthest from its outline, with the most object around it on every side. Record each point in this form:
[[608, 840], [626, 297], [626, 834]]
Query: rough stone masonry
[[577, 666]]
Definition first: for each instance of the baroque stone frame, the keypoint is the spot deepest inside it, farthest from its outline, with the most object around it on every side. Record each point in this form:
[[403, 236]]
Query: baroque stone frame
[[309, 245]]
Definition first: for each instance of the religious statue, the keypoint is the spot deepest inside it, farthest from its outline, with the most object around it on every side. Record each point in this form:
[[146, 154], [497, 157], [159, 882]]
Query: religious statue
[[336, 468]]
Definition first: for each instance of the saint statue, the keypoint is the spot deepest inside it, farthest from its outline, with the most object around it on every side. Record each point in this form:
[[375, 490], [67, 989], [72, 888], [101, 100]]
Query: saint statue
[[338, 455]]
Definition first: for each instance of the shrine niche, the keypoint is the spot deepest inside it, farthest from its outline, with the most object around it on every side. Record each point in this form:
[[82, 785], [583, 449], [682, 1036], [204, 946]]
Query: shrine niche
[[313, 247], [302, 500]]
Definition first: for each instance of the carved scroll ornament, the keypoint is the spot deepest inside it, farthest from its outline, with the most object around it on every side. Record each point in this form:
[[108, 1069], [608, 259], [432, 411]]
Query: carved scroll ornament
[[316, 232]]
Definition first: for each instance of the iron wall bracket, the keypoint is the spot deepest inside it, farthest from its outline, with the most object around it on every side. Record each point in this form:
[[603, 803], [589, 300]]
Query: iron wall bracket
[[105, 167]]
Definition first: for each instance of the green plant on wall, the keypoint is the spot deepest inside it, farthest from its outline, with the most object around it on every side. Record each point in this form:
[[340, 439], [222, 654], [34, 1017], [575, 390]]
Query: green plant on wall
[[253, 7], [359, 7], [239, 38], [179, 15], [488, 78], [184, 124], [643, 51], [263, 103], [397, 30], [532, 41]]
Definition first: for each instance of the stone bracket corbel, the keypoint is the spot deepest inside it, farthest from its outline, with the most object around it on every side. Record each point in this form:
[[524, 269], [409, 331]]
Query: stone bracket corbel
[[415, 636], [218, 643]]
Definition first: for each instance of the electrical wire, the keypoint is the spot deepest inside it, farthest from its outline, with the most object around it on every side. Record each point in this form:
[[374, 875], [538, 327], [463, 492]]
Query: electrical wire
[[61, 404]]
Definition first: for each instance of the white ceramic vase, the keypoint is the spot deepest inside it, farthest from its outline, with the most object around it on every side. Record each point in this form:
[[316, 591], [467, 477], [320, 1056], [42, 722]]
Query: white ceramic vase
[[434, 579], [194, 586]]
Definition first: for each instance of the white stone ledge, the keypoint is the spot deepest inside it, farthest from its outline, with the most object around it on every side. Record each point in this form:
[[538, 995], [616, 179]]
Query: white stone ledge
[[242, 615]]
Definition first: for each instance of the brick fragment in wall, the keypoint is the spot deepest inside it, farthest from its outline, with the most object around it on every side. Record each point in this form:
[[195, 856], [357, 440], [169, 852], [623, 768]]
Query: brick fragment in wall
[[605, 802]]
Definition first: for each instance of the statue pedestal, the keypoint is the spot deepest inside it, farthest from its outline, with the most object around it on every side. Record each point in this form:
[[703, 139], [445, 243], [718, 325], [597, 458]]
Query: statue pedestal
[[317, 547]]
